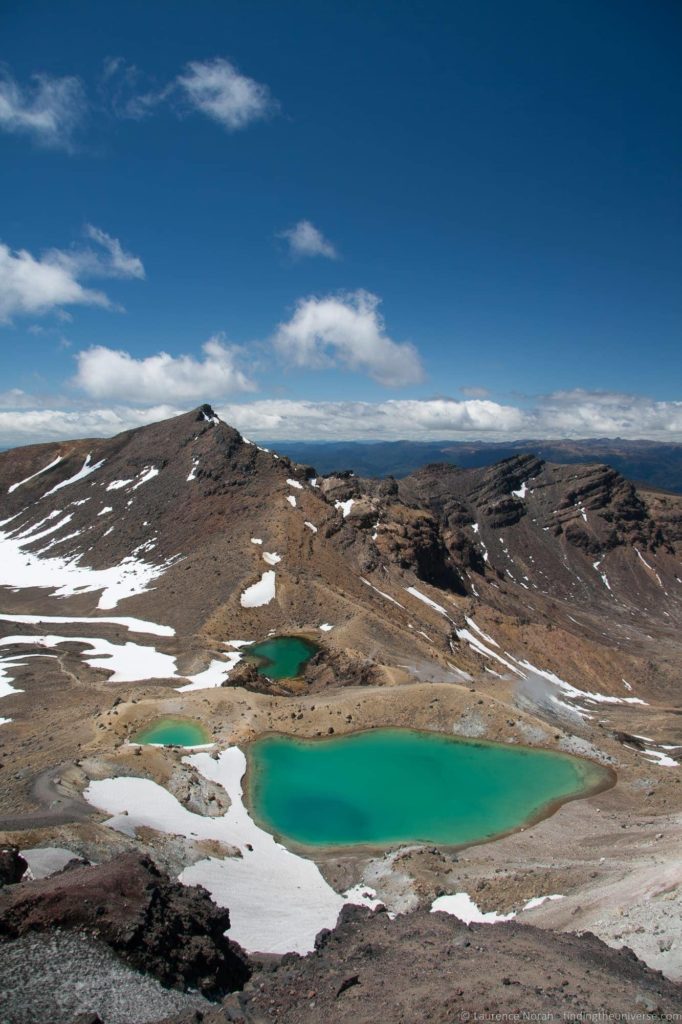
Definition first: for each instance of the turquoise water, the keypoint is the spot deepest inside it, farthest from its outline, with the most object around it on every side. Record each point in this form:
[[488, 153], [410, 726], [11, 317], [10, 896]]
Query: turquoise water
[[176, 731], [396, 785], [282, 657]]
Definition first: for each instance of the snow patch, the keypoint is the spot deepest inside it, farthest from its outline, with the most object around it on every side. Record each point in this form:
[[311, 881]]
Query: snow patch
[[427, 600], [146, 475], [271, 557], [260, 593], [55, 462], [133, 625], [381, 593], [278, 901], [296, 484], [311, 526], [85, 470], [345, 506], [292, 500]]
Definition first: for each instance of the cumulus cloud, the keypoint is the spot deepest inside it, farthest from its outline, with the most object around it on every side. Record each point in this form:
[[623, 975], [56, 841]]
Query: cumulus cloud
[[36, 286], [347, 330], [24, 427], [416, 419], [305, 240], [108, 373], [582, 414], [49, 110], [30, 285], [217, 89]]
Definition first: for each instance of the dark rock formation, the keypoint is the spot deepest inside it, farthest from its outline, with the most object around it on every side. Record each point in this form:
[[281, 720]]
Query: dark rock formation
[[169, 930], [12, 866], [432, 967]]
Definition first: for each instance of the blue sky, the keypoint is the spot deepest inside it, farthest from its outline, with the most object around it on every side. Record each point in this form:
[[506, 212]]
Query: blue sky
[[342, 219]]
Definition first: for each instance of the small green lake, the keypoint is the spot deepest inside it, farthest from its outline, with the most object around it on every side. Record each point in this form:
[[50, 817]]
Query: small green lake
[[388, 786], [282, 657], [177, 732]]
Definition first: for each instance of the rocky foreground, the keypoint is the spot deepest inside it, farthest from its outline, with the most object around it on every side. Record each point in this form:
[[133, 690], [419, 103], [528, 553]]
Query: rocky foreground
[[92, 924]]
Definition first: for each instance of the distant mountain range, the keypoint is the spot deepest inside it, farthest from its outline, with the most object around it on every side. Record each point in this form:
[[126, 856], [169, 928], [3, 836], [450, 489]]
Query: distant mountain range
[[652, 463]]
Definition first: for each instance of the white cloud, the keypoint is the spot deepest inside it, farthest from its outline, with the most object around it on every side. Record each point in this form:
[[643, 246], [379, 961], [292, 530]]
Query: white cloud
[[24, 427], [305, 240], [114, 262], [127, 92], [39, 285], [633, 416], [120, 263], [347, 330], [49, 110], [217, 89], [415, 419], [29, 285], [108, 373]]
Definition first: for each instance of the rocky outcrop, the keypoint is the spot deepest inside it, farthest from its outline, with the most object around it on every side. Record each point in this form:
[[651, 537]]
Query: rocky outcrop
[[166, 929], [424, 966], [12, 866]]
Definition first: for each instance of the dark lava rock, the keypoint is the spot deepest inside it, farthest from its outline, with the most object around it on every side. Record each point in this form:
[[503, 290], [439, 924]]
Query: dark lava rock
[[170, 930], [12, 866]]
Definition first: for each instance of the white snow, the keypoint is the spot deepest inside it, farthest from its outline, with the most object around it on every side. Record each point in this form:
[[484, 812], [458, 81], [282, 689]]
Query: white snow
[[649, 567], [271, 557], [65, 576], [128, 662], [215, 675], [116, 485], [522, 491], [292, 500], [574, 692], [537, 901], [85, 470], [477, 645], [313, 481], [296, 484], [345, 506], [381, 593], [44, 861], [146, 475], [427, 600], [55, 462], [134, 625], [105, 510], [325, 627], [7, 668], [662, 760], [461, 905], [5, 721], [278, 901], [193, 471], [259, 593], [256, 540], [595, 565], [311, 526], [478, 629]]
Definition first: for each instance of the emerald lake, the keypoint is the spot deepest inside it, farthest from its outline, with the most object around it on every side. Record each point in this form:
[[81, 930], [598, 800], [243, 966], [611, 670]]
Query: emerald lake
[[282, 657], [178, 732], [388, 786]]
